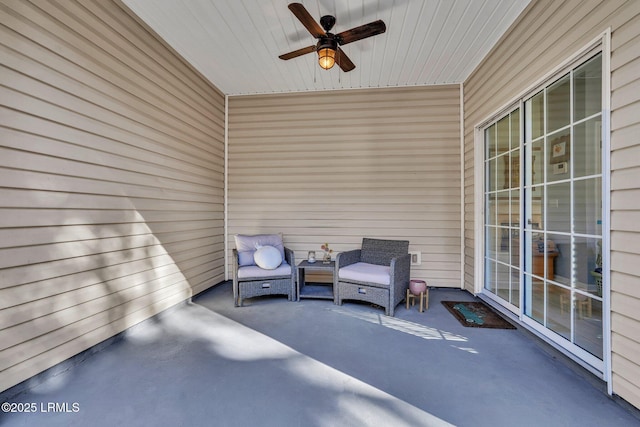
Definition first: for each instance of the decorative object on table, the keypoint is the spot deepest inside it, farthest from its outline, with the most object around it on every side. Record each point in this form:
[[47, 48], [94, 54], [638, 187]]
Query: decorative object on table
[[311, 257], [476, 315], [326, 258], [378, 273], [255, 272]]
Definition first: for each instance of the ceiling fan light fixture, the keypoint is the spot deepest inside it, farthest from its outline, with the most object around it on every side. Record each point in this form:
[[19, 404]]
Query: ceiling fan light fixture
[[326, 57]]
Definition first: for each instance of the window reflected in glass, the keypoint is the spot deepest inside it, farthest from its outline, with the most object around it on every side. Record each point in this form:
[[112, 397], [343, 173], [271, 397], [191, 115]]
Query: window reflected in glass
[[587, 271], [537, 162], [491, 209], [491, 175], [559, 104], [502, 281], [503, 135], [587, 149], [490, 141], [490, 275], [559, 310], [515, 128], [558, 156], [535, 213], [515, 208], [514, 298], [559, 258], [503, 171], [535, 301], [492, 242], [588, 324], [559, 207], [535, 110], [587, 206], [515, 247], [504, 246], [587, 88], [514, 169]]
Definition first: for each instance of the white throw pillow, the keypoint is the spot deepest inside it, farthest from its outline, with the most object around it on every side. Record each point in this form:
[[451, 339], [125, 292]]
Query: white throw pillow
[[247, 245], [267, 257]]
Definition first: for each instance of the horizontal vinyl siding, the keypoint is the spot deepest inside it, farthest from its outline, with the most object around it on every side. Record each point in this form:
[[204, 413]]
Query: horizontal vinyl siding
[[545, 35], [111, 180], [625, 205], [339, 166]]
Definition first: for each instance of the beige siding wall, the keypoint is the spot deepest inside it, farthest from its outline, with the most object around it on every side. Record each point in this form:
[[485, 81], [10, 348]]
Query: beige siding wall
[[625, 204], [546, 34], [111, 180], [337, 166]]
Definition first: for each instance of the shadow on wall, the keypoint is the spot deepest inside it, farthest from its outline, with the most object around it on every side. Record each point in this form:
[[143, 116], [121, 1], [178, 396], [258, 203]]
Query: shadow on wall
[[78, 284]]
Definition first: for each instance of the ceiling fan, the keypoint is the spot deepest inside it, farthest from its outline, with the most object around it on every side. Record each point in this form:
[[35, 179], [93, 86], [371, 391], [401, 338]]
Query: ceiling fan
[[328, 46]]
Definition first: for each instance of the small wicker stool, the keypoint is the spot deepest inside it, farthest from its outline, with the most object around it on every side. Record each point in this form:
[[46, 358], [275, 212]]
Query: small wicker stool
[[424, 299]]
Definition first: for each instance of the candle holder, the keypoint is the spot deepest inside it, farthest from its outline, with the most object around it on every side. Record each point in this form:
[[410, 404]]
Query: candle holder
[[311, 257]]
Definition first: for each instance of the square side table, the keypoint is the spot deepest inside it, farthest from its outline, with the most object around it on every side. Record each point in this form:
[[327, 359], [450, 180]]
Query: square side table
[[315, 290]]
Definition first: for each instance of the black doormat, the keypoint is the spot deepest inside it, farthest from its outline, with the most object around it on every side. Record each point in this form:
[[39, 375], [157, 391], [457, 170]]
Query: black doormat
[[477, 315]]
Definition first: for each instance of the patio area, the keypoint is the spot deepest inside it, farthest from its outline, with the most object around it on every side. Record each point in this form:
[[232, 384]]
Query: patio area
[[312, 363]]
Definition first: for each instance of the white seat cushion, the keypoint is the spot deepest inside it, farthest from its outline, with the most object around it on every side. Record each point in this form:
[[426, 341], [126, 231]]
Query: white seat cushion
[[364, 272], [251, 271]]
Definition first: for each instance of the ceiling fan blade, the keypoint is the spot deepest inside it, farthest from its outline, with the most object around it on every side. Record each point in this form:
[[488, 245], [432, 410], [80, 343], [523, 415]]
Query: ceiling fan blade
[[298, 52], [343, 61], [361, 32], [307, 20]]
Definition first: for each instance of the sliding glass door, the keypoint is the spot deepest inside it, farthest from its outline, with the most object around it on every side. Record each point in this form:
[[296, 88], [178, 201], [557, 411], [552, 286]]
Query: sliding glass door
[[502, 207], [563, 207], [543, 210]]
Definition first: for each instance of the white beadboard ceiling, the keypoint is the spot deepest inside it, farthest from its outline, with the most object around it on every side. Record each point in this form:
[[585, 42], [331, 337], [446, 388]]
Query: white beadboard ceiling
[[236, 43]]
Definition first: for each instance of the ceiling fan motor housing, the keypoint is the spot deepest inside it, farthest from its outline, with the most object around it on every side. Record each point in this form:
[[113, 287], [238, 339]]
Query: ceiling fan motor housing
[[327, 41], [327, 22]]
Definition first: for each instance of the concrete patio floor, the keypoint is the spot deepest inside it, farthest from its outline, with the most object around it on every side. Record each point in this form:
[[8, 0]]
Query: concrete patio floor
[[312, 363]]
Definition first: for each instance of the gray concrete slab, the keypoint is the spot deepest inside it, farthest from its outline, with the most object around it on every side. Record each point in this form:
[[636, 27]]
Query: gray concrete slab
[[312, 363]]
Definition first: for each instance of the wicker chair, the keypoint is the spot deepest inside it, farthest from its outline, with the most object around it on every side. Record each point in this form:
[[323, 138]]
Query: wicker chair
[[378, 273], [249, 280]]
